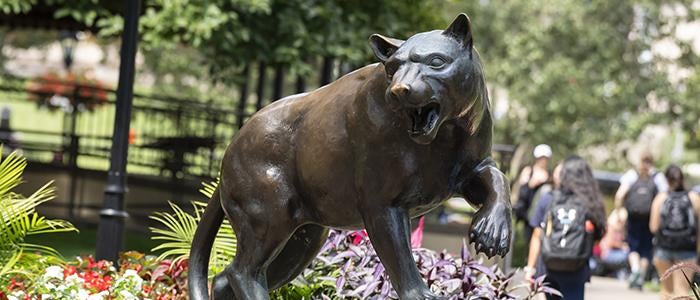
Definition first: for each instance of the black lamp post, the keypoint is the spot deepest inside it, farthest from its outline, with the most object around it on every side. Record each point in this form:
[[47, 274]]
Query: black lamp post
[[111, 230]]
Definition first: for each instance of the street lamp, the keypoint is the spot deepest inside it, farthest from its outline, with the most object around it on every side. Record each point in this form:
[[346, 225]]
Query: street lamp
[[110, 235]]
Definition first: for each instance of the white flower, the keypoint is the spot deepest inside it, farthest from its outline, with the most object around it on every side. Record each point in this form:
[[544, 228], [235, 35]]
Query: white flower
[[83, 294], [16, 295], [131, 273], [74, 280], [125, 295], [98, 296], [127, 285], [54, 272]]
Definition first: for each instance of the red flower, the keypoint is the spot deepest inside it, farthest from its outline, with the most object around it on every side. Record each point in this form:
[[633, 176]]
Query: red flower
[[147, 289], [358, 236], [14, 284], [69, 270]]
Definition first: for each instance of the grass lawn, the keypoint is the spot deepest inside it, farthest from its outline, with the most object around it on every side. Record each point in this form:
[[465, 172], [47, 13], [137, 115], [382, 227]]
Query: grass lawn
[[72, 244]]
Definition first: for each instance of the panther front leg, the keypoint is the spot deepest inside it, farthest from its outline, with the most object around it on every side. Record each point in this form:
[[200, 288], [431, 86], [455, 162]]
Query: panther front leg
[[491, 227], [389, 231]]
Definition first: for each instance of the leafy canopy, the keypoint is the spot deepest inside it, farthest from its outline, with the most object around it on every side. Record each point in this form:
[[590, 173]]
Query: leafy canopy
[[583, 73]]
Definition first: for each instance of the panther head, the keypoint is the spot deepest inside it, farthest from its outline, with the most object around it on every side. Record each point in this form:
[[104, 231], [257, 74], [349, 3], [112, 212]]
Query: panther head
[[433, 77]]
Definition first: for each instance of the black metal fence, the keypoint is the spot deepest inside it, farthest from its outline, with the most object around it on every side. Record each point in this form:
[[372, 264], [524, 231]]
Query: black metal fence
[[179, 138], [171, 137]]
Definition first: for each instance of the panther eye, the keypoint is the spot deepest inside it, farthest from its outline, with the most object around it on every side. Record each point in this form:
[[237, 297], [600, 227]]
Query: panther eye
[[437, 62]]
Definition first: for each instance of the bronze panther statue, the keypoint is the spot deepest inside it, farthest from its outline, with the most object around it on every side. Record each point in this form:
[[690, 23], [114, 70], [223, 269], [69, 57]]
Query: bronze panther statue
[[380, 145]]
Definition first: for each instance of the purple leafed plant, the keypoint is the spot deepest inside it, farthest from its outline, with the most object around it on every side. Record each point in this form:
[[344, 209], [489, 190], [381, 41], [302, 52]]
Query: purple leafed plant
[[361, 275]]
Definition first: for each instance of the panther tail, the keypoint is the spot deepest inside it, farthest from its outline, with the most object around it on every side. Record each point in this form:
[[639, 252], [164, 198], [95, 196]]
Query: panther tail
[[201, 248]]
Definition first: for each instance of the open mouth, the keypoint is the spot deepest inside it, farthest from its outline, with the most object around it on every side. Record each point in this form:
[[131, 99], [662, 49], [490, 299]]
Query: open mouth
[[424, 119]]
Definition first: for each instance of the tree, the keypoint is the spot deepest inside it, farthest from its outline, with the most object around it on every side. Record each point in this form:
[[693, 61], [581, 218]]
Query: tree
[[577, 73], [232, 33]]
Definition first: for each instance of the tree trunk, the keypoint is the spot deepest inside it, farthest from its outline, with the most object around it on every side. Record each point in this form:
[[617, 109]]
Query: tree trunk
[[326, 71], [260, 91], [244, 97], [301, 84], [279, 83]]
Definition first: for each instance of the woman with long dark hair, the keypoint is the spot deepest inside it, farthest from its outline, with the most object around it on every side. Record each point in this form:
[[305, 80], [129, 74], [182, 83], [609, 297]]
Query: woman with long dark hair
[[674, 222], [575, 183]]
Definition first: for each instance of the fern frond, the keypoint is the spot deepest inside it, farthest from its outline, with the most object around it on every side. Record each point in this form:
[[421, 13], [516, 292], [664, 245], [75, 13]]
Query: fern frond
[[11, 168], [179, 226], [19, 219]]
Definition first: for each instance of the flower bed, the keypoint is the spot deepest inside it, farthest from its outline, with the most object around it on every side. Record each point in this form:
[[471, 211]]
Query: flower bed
[[138, 277], [346, 268]]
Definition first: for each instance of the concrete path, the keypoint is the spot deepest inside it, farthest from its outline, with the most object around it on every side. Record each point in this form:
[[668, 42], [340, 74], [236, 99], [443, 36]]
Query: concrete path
[[601, 288]]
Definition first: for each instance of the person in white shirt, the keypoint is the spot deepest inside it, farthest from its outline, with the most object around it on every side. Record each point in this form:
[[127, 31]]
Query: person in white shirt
[[637, 190]]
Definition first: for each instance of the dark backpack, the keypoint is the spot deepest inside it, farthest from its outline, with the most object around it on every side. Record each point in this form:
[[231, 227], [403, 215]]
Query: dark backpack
[[566, 245], [678, 226], [640, 196], [523, 205]]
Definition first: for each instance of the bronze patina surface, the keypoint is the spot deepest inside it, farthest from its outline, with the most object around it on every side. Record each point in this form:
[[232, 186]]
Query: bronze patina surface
[[385, 143]]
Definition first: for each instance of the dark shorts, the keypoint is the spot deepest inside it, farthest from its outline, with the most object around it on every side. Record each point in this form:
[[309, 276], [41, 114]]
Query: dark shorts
[[639, 237]]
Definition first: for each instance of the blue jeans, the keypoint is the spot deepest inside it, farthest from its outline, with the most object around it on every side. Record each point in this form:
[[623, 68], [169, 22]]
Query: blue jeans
[[674, 255], [616, 257], [571, 284]]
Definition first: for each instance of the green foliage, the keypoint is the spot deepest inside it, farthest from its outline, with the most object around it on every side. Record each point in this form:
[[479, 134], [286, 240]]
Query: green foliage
[[19, 219], [231, 34], [302, 289], [577, 73], [686, 109], [16, 6], [179, 230]]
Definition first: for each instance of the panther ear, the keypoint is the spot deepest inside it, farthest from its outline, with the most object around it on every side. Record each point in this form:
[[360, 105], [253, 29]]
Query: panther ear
[[383, 47], [461, 30]]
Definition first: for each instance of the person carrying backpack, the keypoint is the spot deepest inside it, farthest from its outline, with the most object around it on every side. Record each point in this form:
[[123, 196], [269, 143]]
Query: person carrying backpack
[[636, 194], [674, 222], [532, 179], [571, 219]]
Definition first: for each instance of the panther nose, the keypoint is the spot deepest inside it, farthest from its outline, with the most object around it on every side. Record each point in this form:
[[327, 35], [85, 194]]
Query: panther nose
[[401, 90]]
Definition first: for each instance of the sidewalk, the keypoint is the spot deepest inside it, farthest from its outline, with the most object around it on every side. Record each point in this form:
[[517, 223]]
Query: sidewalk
[[601, 288]]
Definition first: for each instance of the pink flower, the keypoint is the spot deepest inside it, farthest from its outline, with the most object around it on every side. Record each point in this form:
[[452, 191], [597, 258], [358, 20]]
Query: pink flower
[[358, 236], [417, 235]]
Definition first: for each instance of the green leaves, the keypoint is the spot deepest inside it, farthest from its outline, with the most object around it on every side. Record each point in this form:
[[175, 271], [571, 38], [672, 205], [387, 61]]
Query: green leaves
[[179, 229], [19, 219], [232, 33], [16, 6], [574, 72]]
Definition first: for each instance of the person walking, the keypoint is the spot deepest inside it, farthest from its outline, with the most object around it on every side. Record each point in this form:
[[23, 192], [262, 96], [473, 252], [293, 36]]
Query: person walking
[[532, 179], [613, 248], [674, 222], [636, 193], [568, 220]]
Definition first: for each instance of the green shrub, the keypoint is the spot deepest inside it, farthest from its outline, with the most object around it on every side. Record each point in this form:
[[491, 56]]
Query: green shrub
[[19, 219]]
